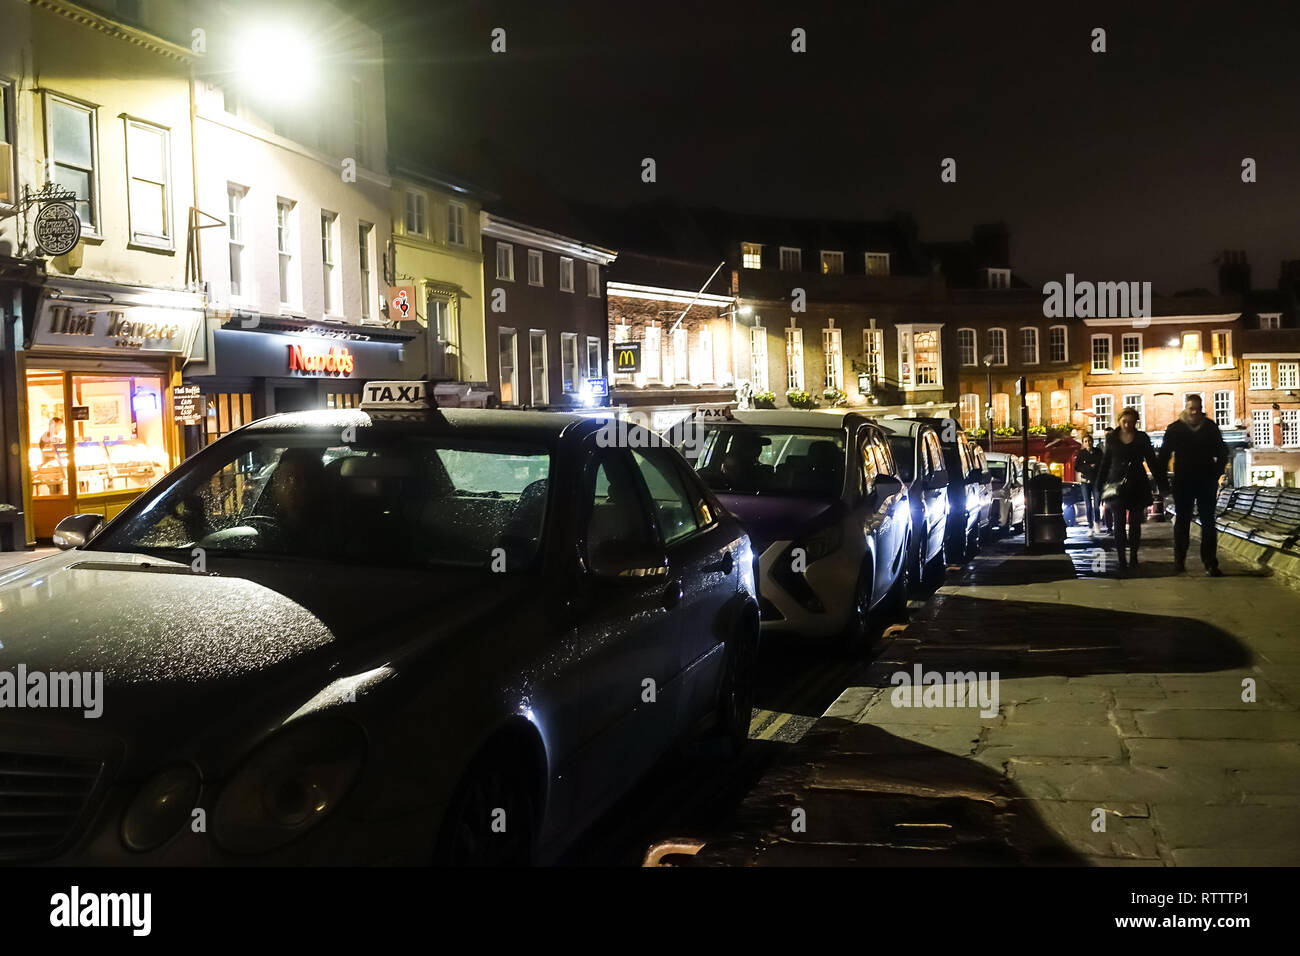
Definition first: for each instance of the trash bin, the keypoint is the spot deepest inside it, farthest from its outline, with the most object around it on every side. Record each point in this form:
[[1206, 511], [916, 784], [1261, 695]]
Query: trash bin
[[1044, 515]]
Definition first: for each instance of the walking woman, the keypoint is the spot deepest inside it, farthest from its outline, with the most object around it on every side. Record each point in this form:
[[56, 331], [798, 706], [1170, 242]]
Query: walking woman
[[1124, 485]]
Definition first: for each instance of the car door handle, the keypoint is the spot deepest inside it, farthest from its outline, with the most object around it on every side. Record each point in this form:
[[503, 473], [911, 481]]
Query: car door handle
[[724, 565], [672, 595]]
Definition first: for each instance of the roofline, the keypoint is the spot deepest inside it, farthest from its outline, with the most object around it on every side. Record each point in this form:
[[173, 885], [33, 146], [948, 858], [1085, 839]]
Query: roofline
[[500, 227]]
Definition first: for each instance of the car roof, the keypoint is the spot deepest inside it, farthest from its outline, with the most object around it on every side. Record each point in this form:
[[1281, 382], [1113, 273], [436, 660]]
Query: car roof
[[526, 424], [798, 418], [1000, 456], [903, 426]]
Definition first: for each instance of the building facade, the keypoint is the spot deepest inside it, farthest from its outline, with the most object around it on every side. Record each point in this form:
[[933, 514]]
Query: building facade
[[546, 315], [94, 339]]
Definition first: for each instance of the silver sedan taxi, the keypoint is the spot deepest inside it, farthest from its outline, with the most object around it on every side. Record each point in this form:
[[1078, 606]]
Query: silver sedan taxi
[[393, 634]]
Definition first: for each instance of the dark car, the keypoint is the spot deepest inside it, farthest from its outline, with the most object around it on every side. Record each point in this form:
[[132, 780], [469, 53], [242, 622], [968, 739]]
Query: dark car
[[921, 467], [819, 494], [372, 636], [970, 492]]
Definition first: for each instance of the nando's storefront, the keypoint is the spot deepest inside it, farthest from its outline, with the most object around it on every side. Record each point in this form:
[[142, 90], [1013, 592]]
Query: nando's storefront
[[96, 375], [257, 366]]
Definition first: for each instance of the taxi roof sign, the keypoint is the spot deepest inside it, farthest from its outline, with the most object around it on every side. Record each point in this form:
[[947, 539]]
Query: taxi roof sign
[[403, 396]]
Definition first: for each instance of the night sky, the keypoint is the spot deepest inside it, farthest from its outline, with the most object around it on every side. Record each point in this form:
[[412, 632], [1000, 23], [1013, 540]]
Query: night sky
[[1117, 166]]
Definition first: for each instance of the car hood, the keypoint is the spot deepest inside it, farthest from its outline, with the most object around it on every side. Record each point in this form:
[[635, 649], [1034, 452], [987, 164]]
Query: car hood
[[769, 518], [178, 649]]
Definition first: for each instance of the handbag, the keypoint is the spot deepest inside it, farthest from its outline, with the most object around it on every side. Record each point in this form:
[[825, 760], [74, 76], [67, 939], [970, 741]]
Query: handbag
[[1114, 489]]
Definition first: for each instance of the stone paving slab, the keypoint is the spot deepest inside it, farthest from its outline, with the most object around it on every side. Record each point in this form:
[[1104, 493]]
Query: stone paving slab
[[1118, 698]]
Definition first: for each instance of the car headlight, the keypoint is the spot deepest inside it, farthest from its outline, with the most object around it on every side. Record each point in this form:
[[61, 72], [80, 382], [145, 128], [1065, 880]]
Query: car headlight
[[161, 808], [823, 543], [289, 784]]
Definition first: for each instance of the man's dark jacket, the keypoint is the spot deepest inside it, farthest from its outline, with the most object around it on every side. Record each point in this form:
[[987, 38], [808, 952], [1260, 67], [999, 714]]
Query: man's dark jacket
[[1200, 454], [1086, 463]]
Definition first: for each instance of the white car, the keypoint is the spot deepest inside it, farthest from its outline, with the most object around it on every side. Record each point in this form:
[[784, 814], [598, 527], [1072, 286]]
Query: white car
[[1007, 515]]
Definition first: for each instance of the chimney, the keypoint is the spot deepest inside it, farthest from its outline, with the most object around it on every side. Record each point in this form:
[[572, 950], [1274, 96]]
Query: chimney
[[1234, 272]]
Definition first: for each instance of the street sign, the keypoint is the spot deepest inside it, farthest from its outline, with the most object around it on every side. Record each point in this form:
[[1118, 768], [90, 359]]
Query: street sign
[[186, 405], [57, 228], [627, 357]]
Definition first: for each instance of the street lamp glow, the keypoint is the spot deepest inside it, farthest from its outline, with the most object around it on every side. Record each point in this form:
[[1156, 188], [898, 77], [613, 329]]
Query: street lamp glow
[[276, 62]]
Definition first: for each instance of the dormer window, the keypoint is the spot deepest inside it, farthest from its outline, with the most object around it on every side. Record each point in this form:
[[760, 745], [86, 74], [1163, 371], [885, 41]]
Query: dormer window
[[997, 278], [877, 263], [751, 255]]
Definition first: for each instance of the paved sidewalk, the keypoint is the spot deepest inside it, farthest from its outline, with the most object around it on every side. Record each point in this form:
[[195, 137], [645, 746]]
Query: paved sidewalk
[[1120, 737], [11, 559]]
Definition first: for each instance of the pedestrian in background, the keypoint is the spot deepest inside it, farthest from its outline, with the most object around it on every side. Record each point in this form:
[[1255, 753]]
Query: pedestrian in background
[[1086, 462], [1125, 488], [1200, 455], [1103, 512]]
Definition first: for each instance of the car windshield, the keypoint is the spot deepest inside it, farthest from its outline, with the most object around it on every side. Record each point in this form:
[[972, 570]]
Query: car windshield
[[901, 446], [999, 470], [759, 460], [402, 501]]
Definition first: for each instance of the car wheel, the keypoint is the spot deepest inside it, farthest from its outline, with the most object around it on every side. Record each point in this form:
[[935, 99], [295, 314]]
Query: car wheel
[[935, 570], [739, 683], [859, 623], [492, 820]]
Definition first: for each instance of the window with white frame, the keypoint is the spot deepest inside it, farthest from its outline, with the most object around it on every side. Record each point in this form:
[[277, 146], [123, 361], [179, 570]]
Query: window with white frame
[[832, 263], [415, 213], [508, 365], [925, 344], [439, 319], [1058, 344], [505, 261], [148, 163], [1221, 348], [1260, 375], [969, 411], [1192, 356], [681, 355], [566, 274], [330, 298], [877, 263], [833, 350], [235, 237], [1101, 353], [1270, 320], [1138, 403], [1034, 402], [1223, 410], [873, 353], [8, 177], [455, 224], [569, 381], [74, 152], [284, 248], [751, 255], [758, 358], [1288, 374], [593, 356], [1060, 407], [794, 359], [1103, 412], [1130, 352], [651, 348], [704, 356], [534, 267], [1290, 427], [1261, 428], [537, 374], [593, 280], [791, 259], [1028, 346], [999, 278], [1001, 410], [364, 231], [998, 346], [967, 353]]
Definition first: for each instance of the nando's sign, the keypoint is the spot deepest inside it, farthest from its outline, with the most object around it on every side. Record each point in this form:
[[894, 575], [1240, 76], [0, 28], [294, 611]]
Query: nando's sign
[[336, 361]]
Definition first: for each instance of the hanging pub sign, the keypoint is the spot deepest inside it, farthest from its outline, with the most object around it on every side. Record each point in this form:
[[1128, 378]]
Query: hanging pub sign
[[57, 227]]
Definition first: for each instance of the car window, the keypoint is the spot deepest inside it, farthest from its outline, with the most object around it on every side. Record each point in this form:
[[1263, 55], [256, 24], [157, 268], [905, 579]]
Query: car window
[[935, 451], [613, 504], [870, 463], [904, 453], [887, 466], [756, 460], [674, 509]]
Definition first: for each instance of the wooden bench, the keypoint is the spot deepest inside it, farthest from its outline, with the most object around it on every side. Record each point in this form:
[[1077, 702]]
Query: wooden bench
[[1265, 516]]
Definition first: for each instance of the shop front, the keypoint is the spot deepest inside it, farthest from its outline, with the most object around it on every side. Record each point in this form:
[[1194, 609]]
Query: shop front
[[289, 365], [95, 392]]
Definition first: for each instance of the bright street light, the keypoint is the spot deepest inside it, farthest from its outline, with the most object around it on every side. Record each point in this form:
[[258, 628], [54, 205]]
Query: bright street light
[[276, 62]]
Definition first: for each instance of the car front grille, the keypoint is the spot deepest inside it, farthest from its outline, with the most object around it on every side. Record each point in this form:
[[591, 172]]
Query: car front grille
[[42, 799]]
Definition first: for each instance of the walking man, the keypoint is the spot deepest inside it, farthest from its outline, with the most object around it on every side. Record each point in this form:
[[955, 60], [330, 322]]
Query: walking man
[[1086, 462], [1200, 456]]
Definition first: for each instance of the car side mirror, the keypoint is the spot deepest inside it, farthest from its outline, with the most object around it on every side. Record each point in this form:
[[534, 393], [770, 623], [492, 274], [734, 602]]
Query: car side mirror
[[75, 530], [627, 561], [885, 485]]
